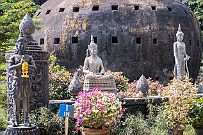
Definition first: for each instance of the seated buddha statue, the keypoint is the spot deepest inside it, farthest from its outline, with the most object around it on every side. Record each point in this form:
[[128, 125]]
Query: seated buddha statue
[[93, 65], [94, 70]]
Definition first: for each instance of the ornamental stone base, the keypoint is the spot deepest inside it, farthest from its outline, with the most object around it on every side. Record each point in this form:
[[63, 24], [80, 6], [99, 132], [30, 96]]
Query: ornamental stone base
[[107, 85], [22, 130]]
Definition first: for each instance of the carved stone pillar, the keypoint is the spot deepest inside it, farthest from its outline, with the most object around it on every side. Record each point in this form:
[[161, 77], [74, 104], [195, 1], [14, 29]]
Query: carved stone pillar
[[40, 92]]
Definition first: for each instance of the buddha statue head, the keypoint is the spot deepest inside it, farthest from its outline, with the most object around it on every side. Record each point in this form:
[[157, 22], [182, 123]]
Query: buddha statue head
[[92, 47], [179, 34]]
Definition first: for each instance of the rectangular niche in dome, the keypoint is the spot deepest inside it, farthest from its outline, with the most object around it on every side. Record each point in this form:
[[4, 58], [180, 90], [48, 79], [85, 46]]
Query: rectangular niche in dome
[[74, 39], [38, 13], [138, 40], [114, 7], [153, 7], [95, 39], [76, 9], [114, 39], [41, 41], [137, 7], [48, 11], [155, 40], [56, 40], [169, 8], [61, 9], [95, 8]]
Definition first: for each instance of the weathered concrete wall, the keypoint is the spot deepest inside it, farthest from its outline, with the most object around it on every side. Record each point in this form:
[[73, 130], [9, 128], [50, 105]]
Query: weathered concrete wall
[[135, 37]]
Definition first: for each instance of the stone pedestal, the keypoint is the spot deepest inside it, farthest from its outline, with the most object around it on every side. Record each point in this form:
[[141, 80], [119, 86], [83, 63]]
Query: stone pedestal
[[108, 85], [21, 130]]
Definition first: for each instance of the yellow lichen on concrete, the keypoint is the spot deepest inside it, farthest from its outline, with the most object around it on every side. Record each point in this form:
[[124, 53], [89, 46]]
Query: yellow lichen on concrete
[[85, 24], [72, 24]]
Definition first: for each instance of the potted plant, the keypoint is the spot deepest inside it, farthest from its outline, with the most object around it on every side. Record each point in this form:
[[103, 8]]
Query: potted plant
[[180, 94], [196, 115], [96, 111]]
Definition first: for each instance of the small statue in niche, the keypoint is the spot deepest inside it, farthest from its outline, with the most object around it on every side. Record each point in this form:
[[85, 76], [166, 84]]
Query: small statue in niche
[[20, 66], [181, 58]]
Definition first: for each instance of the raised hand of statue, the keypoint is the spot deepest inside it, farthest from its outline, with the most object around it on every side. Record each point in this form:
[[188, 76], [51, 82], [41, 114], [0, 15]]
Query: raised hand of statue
[[187, 57]]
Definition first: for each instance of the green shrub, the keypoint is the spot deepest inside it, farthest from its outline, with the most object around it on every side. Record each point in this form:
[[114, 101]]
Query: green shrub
[[189, 130], [196, 113], [3, 106], [2, 71], [3, 118], [159, 126], [3, 66], [59, 80], [180, 93], [133, 125], [47, 122], [3, 94], [120, 79], [150, 125], [155, 88]]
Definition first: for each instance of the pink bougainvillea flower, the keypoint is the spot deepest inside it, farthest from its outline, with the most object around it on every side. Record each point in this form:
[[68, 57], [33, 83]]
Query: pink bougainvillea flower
[[96, 108], [87, 112], [80, 120], [77, 128], [104, 128], [121, 109]]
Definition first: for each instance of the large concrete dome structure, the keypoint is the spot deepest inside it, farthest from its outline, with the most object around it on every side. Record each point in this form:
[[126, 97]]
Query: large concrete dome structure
[[133, 36]]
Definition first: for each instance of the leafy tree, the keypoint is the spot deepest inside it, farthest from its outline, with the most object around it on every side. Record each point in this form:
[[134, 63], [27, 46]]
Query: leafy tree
[[11, 14], [197, 7]]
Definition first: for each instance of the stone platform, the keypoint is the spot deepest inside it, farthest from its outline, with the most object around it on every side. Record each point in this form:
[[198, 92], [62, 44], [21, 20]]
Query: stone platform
[[22, 130]]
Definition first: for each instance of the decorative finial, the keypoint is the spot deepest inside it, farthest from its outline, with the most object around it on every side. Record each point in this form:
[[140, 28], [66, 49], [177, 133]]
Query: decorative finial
[[179, 32], [27, 25], [92, 39], [142, 85], [179, 28]]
